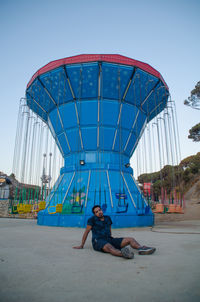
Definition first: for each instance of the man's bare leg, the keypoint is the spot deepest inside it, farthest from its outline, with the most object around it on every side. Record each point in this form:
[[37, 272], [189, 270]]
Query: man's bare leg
[[130, 241], [142, 250], [108, 248], [124, 252]]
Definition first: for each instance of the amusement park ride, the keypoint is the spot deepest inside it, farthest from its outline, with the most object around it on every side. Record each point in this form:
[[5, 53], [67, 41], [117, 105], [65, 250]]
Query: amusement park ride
[[96, 108]]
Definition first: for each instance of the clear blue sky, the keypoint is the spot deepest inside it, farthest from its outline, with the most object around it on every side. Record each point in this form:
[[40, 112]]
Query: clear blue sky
[[164, 34]]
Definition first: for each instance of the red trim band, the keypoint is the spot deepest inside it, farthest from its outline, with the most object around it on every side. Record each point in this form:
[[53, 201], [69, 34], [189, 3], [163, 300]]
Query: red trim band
[[119, 59]]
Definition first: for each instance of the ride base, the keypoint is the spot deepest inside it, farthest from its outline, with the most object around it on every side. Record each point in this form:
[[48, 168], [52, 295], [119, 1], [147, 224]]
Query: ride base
[[119, 221], [78, 189]]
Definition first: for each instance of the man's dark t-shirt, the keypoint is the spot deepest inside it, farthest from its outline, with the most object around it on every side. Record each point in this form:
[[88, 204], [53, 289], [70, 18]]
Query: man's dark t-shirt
[[100, 228]]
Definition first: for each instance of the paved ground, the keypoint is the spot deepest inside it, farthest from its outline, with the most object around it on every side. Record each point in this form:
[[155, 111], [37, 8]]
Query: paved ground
[[38, 264]]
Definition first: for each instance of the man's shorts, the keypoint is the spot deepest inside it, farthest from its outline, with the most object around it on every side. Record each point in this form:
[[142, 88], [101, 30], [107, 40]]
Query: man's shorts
[[98, 244]]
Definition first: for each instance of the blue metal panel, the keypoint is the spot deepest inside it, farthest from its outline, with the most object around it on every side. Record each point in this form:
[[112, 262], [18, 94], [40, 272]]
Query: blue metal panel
[[88, 112], [38, 93], [130, 143], [68, 115], [72, 221], [109, 112], [115, 79], [156, 102], [127, 115], [106, 137], [133, 94], [89, 136], [147, 82], [57, 85], [132, 220], [149, 105], [116, 182], [121, 139], [63, 143], [46, 219], [135, 191], [90, 157], [142, 84], [75, 77], [135, 133], [74, 139], [84, 80], [89, 79], [55, 121], [33, 106], [98, 179]]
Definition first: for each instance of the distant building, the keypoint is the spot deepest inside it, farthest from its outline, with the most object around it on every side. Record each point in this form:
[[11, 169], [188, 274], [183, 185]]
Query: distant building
[[4, 186], [8, 185]]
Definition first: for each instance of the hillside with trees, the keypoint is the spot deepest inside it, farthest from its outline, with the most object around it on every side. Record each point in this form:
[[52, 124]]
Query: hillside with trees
[[181, 177]]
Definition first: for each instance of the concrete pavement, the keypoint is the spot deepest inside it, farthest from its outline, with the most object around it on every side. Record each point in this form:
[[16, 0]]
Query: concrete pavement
[[38, 264]]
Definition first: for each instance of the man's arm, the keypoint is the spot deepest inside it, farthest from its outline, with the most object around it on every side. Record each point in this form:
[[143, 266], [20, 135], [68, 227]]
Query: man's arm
[[84, 238]]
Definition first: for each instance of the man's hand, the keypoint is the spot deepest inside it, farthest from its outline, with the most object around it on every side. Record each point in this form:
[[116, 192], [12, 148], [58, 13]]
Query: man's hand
[[87, 230], [78, 247]]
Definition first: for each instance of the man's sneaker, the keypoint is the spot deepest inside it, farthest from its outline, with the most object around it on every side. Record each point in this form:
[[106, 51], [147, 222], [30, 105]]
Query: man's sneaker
[[127, 253], [146, 250]]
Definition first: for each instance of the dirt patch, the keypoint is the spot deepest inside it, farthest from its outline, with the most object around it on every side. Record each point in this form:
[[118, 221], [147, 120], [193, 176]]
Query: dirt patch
[[194, 192]]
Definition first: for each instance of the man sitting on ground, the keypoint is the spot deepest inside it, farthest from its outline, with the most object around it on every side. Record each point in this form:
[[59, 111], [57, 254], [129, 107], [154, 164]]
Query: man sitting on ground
[[102, 239]]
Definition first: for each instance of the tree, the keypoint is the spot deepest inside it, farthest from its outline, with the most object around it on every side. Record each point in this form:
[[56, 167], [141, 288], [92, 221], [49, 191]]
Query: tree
[[194, 102], [194, 98], [195, 133]]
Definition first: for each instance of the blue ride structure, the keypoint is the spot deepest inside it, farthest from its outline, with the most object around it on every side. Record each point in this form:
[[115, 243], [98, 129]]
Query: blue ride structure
[[96, 107]]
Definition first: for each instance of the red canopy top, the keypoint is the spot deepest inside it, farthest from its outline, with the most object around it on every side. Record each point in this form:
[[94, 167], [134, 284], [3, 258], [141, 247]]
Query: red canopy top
[[119, 59]]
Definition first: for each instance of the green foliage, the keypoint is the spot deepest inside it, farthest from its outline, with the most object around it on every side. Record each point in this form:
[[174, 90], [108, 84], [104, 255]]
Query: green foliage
[[157, 187], [196, 90], [151, 177], [186, 175], [194, 99], [186, 161], [191, 161], [194, 102], [195, 133]]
